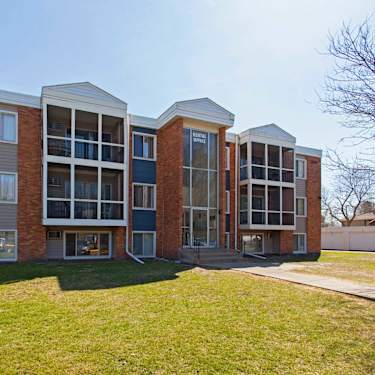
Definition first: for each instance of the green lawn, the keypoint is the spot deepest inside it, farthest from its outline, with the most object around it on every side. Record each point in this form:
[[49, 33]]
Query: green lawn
[[163, 318], [354, 266]]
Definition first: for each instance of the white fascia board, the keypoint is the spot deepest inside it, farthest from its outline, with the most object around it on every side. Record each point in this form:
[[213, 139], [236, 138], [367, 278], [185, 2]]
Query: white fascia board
[[15, 98], [308, 151], [143, 121]]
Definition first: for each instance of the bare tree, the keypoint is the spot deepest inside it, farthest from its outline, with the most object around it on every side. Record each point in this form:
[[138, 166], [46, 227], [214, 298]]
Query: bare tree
[[352, 184], [350, 88]]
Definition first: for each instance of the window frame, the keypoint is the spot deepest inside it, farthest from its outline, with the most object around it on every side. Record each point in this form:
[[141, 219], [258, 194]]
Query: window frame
[[16, 116], [227, 201], [227, 158], [304, 168], [153, 136], [304, 207], [15, 174], [153, 242], [143, 195], [15, 231], [304, 243]]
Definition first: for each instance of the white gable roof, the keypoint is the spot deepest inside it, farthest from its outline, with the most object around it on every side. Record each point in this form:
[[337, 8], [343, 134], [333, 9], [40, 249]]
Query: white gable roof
[[203, 109], [83, 92], [271, 131]]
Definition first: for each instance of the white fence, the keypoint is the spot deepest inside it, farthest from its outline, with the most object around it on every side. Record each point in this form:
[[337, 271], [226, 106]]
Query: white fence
[[348, 238]]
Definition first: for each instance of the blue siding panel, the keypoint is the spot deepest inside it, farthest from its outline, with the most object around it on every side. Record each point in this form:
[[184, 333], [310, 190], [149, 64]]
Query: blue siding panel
[[138, 129], [227, 180], [144, 171], [144, 220], [227, 223]]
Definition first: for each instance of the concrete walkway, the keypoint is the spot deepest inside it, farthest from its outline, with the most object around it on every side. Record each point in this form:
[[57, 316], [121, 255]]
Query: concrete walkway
[[284, 272]]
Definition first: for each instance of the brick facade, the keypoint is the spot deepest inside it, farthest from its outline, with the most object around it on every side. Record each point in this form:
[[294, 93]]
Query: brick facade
[[232, 162], [222, 183], [286, 242], [119, 243], [31, 232], [169, 179], [313, 193]]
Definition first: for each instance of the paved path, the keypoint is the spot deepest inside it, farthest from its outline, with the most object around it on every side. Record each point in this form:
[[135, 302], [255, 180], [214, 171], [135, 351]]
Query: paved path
[[283, 272]]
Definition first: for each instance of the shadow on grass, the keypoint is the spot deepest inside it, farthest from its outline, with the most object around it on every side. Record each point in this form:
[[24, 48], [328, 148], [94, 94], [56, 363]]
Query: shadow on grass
[[92, 275]]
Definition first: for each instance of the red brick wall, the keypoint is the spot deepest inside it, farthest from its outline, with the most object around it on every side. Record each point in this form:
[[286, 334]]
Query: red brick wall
[[31, 232], [232, 161], [286, 242], [313, 192], [119, 243], [222, 200], [169, 178]]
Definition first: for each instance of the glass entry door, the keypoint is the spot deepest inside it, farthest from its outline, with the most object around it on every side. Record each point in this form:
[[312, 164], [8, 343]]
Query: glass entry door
[[252, 244], [200, 227]]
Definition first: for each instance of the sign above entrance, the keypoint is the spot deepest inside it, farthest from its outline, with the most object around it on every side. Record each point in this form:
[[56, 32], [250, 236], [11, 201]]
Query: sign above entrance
[[199, 137]]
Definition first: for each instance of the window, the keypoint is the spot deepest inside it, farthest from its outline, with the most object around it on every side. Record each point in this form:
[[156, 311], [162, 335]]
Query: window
[[227, 158], [258, 153], [243, 205], [287, 206], [288, 157], [144, 196], [300, 168], [144, 244], [243, 161], [301, 206], [258, 173], [8, 127], [87, 245], [143, 146], [227, 202], [273, 156], [299, 243], [53, 235], [8, 246], [8, 187]]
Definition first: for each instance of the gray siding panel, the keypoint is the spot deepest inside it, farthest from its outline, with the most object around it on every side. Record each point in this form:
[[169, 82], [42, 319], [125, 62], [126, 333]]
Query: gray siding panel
[[300, 225], [8, 216], [55, 249], [300, 188], [8, 157]]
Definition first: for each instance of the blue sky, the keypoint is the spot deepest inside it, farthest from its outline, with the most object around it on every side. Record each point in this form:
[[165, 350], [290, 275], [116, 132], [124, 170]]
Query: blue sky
[[258, 59]]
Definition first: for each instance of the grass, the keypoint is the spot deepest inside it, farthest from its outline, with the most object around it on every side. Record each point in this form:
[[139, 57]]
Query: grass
[[164, 318], [354, 266]]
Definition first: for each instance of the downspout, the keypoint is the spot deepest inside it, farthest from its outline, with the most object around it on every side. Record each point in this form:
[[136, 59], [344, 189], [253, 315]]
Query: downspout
[[235, 192]]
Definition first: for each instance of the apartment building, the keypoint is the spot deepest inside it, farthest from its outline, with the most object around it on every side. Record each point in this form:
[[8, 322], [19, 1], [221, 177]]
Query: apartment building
[[81, 178]]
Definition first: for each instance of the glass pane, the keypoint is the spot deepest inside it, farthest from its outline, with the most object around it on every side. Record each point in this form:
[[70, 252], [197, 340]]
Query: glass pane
[[58, 178], [288, 176], [288, 219], [112, 211], [86, 150], [213, 228], [86, 126], [148, 244], [213, 151], [86, 182], [138, 196], [300, 203], [243, 197], [138, 145], [252, 243], [148, 147], [186, 187], [104, 244], [243, 217], [258, 217], [59, 147], [258, 153], [273, 156], [186, 236], [85, 210], [213, 189], [243, 154], [70, 244], [87, 244], [258, 173], [273, 198], [273, 174], [288, 199], [187, 147], [199, 150], [58, 121], [112, 185], [200, 227], [273, 219], [243, 173], [8, 127], [7, 245], [186, 227], [112, 129], [288, 157], [137, 244], [199, 188], [300, 168], [115, 154], [295, 242], [149, 196], [7, 187], [58, 209], [258, 197]]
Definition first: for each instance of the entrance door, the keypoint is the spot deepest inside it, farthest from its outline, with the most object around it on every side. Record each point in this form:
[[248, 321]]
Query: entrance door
[[199, 227], [252, 244]]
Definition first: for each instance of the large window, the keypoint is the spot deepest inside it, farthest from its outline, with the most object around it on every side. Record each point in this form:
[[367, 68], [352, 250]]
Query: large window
[[144, 244], [8, 127], [273, 205], [8, 246], [300, 168], [8, 187], [301, 206], [87, 245], [112, 194], [299, 243], [244, 207], [143, 146], [258, 204], [288, 206], [144, 196], [243, 162], [227, 158]]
